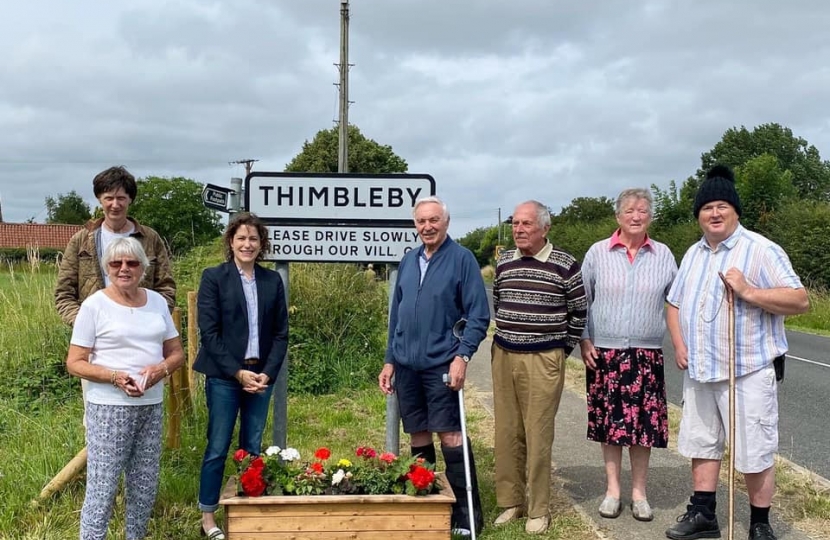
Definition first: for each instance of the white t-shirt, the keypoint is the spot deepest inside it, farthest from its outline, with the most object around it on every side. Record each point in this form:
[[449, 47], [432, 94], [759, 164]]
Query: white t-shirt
[[123, 339]]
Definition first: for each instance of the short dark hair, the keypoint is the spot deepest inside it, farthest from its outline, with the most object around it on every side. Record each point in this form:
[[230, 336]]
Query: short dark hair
[[112, 179], [251, 220]]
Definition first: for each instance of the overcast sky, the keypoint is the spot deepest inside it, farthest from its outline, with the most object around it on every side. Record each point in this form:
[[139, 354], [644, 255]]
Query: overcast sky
[[499, 101]]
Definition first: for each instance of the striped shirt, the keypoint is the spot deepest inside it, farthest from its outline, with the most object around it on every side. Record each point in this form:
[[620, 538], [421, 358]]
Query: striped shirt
[[626, 299], [252, 303], [539, 301], [699, 294]]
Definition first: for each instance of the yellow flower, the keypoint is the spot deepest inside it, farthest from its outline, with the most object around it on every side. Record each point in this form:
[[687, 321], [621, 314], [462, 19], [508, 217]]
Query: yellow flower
[[344, 463]]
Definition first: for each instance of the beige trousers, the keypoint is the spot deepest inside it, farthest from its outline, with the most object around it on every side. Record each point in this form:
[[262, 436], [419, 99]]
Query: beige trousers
[[526, 392]]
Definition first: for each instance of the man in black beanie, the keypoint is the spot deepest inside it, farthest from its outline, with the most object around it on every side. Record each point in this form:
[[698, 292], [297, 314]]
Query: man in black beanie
[[766, 288]]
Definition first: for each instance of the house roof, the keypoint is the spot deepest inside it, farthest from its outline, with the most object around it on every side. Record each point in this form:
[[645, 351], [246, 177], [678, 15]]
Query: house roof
[[23, 235]]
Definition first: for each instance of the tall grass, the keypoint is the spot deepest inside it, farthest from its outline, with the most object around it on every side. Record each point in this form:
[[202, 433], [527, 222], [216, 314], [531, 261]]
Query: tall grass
[[32, 331], [817, 320]]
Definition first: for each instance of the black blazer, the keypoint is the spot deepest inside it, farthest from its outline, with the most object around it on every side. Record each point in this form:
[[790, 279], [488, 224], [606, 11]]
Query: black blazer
[[223, 322]]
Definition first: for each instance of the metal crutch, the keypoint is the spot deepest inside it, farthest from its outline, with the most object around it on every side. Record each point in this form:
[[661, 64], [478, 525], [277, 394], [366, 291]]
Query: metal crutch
[[730, 300], [458, 332]]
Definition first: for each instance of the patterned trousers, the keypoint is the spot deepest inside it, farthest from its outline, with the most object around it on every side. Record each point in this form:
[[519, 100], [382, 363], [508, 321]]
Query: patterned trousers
[[126, 439]]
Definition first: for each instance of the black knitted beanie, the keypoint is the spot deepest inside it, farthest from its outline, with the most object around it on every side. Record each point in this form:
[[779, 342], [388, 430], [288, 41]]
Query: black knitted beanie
[[719, 185]]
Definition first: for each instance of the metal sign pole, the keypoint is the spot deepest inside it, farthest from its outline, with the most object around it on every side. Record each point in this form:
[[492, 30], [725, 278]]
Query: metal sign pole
[[393, 414], [280, 407]]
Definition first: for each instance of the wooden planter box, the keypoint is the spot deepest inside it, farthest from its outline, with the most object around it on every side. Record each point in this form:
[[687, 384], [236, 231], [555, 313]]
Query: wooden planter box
[[368, 517]]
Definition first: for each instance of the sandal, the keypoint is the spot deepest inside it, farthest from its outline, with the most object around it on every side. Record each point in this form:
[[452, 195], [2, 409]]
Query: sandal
[[215, 533]]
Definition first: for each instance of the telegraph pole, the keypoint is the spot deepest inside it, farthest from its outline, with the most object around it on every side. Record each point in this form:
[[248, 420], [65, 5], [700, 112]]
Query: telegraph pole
[[249, 164], [343, 143]]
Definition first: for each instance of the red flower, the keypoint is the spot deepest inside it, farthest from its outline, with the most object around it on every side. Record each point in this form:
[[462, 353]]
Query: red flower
[[359, 451], [420, 477], [317, 467], [388, 457], [252, 483], [322, 453], [257, 463], [239, 455], [369, 453]]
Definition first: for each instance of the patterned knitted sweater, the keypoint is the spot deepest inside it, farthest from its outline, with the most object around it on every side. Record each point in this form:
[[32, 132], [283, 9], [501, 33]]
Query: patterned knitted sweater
[[539, 304]]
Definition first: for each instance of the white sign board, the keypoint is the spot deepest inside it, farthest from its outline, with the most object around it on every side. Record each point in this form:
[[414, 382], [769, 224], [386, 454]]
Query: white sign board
[[336, 199], [340, 244]]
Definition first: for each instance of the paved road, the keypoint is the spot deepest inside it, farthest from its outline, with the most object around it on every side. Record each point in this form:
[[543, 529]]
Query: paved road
[[803, 399]]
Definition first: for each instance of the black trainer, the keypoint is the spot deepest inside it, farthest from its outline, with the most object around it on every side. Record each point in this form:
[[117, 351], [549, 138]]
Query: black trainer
[[693, 524], [762, 531]]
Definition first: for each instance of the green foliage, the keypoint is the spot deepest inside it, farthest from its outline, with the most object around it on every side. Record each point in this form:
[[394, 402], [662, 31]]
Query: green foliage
[[365, 155], [670, 206], [817, 320], [173, 207], [802, 229], [678, 237], [586, 210], [69, 208], [763, 187], [337, 328], [576, 238], [811, 175], [19, 255], [483, 241]]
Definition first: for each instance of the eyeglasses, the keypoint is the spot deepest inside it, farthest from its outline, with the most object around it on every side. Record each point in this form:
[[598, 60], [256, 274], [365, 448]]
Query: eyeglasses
[[130, 264]]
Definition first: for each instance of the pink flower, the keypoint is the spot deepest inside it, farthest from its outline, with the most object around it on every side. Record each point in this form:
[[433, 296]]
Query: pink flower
[[388, 457]]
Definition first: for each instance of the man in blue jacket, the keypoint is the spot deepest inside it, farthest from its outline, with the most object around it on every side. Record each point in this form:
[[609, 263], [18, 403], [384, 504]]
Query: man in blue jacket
[[438, 285]]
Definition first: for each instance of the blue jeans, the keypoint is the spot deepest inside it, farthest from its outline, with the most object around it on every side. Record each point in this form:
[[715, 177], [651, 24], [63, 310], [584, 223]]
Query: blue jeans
[[226, 400]]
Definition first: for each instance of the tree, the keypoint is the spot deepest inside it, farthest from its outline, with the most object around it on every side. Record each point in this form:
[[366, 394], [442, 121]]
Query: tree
[[587, 210], [70, 209], [763, 188], [173, 207], [365, 155], [810, 175], [669, 207]]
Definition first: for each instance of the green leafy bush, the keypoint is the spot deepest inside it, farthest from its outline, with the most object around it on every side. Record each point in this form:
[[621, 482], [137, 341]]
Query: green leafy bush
[[337, 327]]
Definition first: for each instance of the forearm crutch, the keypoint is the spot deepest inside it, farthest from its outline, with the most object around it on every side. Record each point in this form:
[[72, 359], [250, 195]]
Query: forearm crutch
[[730, 300]]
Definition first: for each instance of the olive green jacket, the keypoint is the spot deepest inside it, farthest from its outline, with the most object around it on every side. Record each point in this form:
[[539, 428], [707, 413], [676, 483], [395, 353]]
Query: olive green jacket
[[80, 272]]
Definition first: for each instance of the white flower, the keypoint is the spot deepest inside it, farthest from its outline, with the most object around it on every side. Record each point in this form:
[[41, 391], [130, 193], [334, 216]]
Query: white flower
[[337, 477], [289, 454], [272, 450]]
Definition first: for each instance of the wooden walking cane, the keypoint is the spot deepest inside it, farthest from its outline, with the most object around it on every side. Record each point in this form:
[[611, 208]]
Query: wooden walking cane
[[730, 300]]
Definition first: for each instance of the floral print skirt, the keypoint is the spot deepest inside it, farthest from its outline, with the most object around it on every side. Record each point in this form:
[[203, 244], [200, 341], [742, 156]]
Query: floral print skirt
[[627, 398]]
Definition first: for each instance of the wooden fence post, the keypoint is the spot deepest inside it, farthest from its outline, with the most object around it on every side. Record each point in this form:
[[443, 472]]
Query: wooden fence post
[[175, 397]]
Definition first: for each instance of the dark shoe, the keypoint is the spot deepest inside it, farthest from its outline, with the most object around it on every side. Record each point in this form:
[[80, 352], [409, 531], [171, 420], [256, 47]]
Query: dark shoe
[[762, 531], [693, 524]]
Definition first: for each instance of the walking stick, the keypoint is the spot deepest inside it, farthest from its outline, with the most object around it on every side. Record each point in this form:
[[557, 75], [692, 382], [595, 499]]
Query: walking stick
[[730, 300], [465, 448], [458, 332]]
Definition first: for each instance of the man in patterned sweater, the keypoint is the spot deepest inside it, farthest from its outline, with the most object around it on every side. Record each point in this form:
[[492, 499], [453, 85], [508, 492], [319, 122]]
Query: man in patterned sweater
[[541, 310]]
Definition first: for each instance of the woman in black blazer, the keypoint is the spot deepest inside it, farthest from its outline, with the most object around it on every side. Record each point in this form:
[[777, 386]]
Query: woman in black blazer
[[243, 323]]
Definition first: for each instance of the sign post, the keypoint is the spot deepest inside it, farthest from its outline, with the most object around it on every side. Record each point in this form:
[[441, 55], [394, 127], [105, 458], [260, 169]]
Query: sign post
[[355, 218]]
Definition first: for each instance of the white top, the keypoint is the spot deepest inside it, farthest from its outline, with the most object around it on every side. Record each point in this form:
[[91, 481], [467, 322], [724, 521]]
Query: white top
[[123, 339]]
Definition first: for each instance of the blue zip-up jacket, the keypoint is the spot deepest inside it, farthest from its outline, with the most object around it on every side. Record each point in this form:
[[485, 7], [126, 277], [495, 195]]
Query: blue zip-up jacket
[[422, 315]]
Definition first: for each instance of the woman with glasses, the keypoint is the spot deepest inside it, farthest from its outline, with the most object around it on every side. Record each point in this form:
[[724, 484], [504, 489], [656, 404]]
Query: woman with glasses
[[627, 278], [124, 344]]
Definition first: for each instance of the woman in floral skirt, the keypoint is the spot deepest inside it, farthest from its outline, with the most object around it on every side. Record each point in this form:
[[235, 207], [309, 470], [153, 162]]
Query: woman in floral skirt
[[626, 281]]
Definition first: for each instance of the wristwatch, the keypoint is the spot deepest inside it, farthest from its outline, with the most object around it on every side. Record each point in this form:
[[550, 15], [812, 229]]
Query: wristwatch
[[465, 358]]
